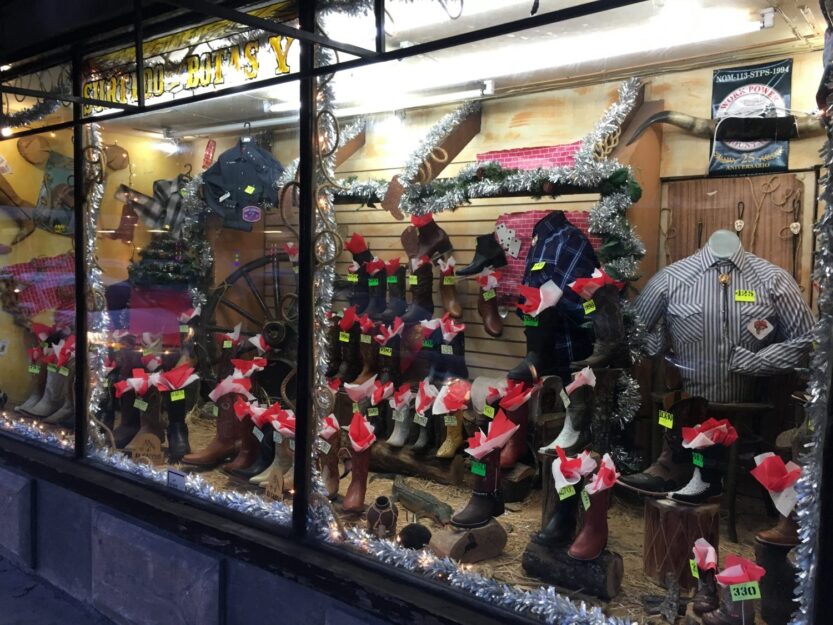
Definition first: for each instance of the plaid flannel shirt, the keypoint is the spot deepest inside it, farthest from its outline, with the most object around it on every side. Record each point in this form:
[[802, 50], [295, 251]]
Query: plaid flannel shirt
[[568, 255]]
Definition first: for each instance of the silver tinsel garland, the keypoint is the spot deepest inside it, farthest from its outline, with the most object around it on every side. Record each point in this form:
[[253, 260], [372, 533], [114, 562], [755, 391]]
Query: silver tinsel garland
[[628, 399], [28, 116], [811, 459]]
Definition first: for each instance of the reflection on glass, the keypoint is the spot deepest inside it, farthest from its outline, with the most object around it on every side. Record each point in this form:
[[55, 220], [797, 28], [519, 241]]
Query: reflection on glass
[[37, 288]]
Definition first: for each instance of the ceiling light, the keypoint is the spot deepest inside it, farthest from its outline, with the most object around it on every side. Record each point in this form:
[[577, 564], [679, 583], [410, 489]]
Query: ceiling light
[[406, 101], [6, 132], [5, 68], [767, 18], [284, 107]]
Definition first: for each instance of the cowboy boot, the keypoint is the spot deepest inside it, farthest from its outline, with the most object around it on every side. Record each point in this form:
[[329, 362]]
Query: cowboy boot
[[706, 598], [486, 500], [706, 483], [357, 247], [539, 343], [368, 352], [224, 443], [127, 225], [402, 419], [129, 423], [487, 253], [265, 456], [672, 469], [784, 534], [575, 436], [54, 395], [609, 331], [516, 446], [36, 392], [329, 465], [488, 311], [65, 415], [453, 435], [422, 300], [107, 411], [378, 289], [282, 460], [425, 438], [150, 418], [730, 612], [249, 449], [348, 343], [396, 296], [425, 238], [178, 444], [592, 537], [451, 358], [448, 295], [560, 529], [388, 361], [354, 499], [333, 348]]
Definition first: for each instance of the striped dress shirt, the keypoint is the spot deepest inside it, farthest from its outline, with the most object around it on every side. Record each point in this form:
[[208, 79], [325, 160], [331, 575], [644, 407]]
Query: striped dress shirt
[[722, 332]]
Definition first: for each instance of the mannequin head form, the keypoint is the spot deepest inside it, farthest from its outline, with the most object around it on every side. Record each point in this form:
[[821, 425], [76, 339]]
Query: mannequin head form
[[723, 243]]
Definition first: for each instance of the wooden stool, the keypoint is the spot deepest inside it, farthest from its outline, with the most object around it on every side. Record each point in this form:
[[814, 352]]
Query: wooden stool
[[670, 531]]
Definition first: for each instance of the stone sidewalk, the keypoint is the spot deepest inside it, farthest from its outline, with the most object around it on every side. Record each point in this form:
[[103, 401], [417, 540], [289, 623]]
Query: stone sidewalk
[[28, 600]]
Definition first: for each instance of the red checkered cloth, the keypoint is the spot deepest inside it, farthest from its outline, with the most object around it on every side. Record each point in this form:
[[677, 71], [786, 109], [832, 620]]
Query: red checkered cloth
[[512, 275], [45, 283]]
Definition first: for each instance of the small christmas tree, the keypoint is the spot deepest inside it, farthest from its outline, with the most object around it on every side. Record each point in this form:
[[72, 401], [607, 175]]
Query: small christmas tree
[[168, 261]]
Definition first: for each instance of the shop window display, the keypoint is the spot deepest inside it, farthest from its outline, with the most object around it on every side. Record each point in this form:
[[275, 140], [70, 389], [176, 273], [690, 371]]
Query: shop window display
[[38, 287]]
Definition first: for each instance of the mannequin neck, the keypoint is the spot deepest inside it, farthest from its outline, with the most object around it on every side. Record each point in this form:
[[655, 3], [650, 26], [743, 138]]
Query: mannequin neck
[[724, 243]]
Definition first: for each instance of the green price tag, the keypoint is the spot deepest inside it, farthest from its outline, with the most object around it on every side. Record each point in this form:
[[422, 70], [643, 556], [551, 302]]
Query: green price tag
[[34, 369], [227, 344], [448, 280], [489, 411], [386, 351], [697, 459], [63, 371], [421, 419], [398, 415], [51, 368], [810, 425], [141, 404], [366, 338], [490, 294], [427, 344], [294, 268], [589, 306], [566, 492], [258, 434], [666, 419], [373, 411], [373, 282], [178, 395], [184, 329], [695, 572], [249, 189], [450, 419], [585, 499], [744, 295], [392, 279], [413, 280], [352, 277], [478, 468], [215, 410], [539, 266], [447, 350], [344, 337], [355, 407], [745, 592], [530, 322]]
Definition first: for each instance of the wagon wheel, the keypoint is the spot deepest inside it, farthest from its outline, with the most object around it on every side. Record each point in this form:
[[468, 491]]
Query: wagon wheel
[[261, 296]]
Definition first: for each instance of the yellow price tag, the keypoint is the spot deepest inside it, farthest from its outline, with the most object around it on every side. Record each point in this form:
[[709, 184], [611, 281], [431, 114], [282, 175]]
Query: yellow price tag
[[140, 404], [352, 277], [585, 500], [744, 295], [695, 572], [448, 280], [63, 371], [589, 306], [567, 492], [355, 407], [413, 280], [178, 395], [666, 419], [365, 338], [386, 351], [227, 344], [249, 189], [373, 411], [184, 329], [539, 266], [447, 350], [490, 294], [745, 592], [34, 369], [489, 411], [51, 368], [344, 337]]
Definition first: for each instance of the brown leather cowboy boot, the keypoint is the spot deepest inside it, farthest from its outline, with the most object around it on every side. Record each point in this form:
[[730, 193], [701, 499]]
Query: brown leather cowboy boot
[[249, 450], [488, 311], [329, 465], [706, 598], [592, 538], [354, 499], [784, 534], [425, 238], [730, 612], [448, 293], [224, 443], [486, 500]]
